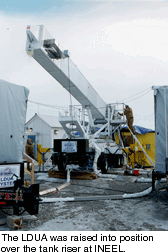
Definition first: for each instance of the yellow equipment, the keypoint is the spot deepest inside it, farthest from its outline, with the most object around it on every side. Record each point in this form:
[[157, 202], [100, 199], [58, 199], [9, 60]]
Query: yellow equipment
[[134, 155]]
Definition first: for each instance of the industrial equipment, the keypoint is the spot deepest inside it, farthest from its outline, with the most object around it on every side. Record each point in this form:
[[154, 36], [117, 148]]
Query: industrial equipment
[[134, 154], [13, 192], [90, 131]]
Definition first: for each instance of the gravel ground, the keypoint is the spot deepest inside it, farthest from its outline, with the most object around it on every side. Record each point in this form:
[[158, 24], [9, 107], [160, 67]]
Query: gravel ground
[[145, 213]]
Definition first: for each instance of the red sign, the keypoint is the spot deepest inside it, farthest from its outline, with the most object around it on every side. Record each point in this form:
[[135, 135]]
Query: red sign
[[10, 196]]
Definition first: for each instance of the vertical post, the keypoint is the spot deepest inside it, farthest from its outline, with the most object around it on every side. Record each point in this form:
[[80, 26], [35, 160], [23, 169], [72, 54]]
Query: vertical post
[[112, 112], [122, 144], [91, 124], [108, 121], [153, 180], [83, 116], [70, 110], [32, 174], [68, 175], [166, 134], [165, 104], [40, 36]]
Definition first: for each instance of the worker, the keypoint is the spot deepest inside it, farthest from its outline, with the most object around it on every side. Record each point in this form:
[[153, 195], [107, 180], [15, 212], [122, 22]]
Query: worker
[[29, 152], [129, 115]]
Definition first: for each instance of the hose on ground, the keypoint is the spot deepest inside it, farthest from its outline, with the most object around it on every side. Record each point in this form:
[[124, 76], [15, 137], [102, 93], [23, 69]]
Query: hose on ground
[[103, 197]]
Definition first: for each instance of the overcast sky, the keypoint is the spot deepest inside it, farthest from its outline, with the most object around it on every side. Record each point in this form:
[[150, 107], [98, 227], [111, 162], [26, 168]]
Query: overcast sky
[[120, 47]]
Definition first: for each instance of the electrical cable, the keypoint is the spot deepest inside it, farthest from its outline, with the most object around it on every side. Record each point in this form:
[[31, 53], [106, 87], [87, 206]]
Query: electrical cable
[[47, 105], [135, 94], [132, 96], [139, 96], [63, 108], [129, 100]]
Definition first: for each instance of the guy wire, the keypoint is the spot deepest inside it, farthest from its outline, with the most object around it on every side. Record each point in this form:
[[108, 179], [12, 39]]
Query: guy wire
[[70, 96]]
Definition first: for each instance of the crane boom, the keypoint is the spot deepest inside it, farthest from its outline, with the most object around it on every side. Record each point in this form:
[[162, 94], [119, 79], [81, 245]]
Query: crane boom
[[90, 134], [47, 53]]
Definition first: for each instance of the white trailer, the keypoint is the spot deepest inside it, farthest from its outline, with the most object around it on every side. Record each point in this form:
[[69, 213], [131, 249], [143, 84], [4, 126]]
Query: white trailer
[[88, 138]]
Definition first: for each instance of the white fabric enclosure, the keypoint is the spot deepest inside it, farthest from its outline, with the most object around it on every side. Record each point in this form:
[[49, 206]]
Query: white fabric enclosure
[[13, 106], [161, 127]]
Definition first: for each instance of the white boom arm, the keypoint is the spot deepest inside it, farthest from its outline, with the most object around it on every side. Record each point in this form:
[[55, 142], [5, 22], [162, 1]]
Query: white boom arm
[[46, 52]]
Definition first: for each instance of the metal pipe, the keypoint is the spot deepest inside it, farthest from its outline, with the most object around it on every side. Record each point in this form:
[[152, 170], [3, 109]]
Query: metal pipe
[[141, 147], [115, 129], [121, 141], [83, 115], [97, 132]]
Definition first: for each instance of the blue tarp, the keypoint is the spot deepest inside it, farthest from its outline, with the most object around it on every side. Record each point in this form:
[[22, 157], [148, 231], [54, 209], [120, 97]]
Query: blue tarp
[[140, 130]]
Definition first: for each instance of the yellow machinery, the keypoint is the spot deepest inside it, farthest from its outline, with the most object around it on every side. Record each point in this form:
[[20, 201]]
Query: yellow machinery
[[41, 153], [134, 155]]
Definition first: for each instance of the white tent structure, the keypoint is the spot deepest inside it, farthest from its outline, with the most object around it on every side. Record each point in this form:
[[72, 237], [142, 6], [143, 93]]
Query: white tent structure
[[161, 128], [13, 105]]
